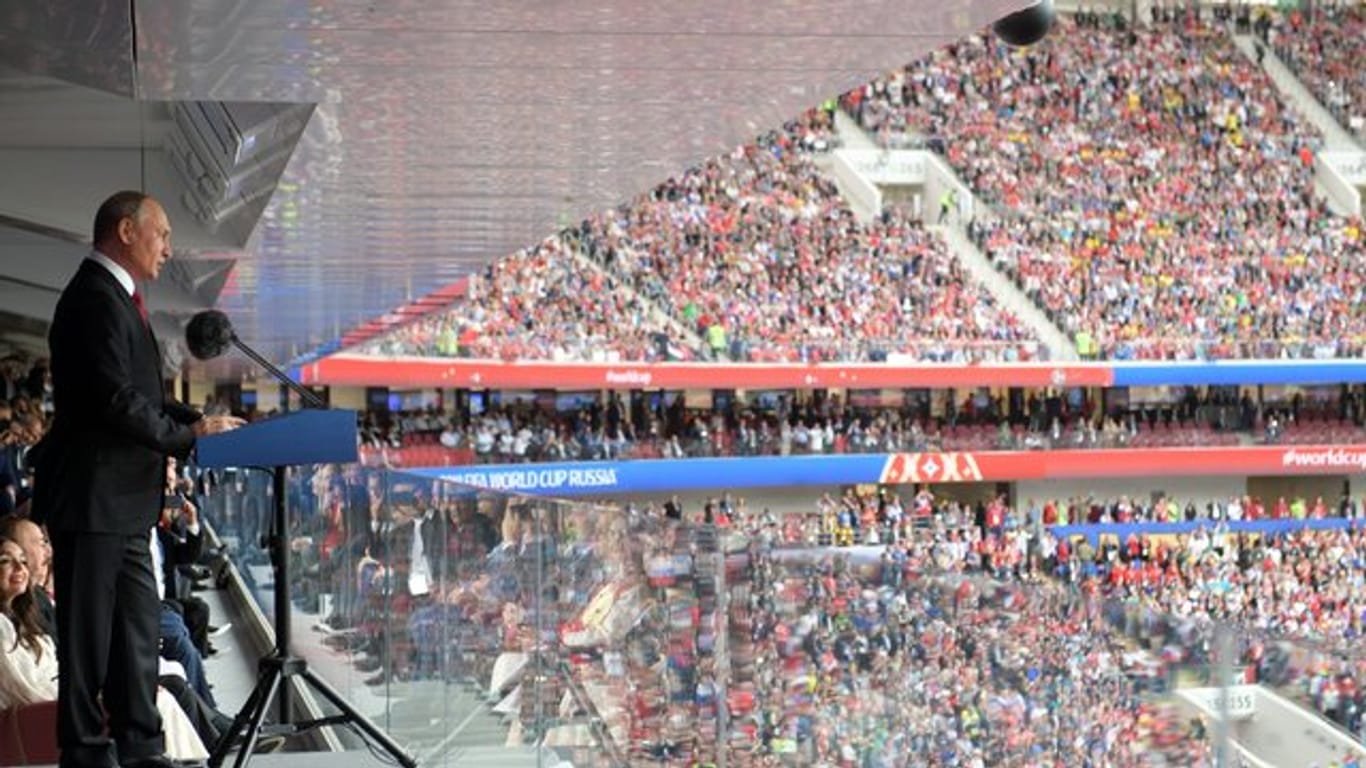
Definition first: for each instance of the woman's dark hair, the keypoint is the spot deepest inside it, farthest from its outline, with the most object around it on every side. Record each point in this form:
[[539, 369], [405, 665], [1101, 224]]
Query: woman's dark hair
[[23, 611]]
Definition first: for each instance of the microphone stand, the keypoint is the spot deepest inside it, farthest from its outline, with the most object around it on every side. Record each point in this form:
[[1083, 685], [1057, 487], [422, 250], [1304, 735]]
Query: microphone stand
[[309, 399], [275, 669]]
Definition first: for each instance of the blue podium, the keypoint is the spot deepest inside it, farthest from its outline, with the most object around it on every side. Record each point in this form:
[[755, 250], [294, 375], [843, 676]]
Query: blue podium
[[293, 439], [312, 436]]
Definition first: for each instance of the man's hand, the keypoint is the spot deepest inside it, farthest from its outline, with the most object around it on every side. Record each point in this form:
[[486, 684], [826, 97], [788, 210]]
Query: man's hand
[[212, 425], [190, 512]]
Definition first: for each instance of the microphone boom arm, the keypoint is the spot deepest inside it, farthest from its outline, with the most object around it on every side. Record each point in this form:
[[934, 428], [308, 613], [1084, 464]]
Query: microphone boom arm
[[308, 398]]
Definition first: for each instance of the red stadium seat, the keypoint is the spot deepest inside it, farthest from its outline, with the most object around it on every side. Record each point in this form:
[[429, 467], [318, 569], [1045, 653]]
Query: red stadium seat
[[28, 735]]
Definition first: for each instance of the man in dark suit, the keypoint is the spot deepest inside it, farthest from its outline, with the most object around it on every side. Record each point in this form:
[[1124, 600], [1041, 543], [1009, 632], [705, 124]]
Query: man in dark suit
[[99, 476]]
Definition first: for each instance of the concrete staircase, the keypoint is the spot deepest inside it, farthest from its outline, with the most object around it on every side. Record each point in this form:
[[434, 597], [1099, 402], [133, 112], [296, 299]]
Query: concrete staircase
[[852, 135], [939, 179], [862, 212], [1011, 298], [454, 725], [678, 332], [1343, 201], [1336, 138]]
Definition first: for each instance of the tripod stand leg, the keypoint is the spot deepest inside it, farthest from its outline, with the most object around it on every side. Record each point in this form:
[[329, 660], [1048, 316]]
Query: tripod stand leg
[[258, 717], [255, 702], [360, 721]]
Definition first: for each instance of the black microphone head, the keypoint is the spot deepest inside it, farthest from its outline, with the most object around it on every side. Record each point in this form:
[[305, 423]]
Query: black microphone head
[[1027, 26], [208, 334]]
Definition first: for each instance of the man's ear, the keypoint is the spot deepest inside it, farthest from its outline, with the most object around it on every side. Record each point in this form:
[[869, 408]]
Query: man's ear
[[127, 228]]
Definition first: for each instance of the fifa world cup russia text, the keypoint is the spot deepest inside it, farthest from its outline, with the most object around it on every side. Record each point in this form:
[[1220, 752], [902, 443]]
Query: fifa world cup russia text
[[538, 480]]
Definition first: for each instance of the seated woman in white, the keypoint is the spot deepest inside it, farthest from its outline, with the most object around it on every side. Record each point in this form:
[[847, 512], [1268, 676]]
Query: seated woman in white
[[28, 659]]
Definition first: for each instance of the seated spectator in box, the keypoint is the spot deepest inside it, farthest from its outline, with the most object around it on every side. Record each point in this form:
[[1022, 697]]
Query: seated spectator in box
[[28, 657], [179, 544], [33, 540]]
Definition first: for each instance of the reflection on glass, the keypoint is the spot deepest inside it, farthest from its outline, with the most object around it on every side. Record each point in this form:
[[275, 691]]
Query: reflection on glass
[[461, 619]]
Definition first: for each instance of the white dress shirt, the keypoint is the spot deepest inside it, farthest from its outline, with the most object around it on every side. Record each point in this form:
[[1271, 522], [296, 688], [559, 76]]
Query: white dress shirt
[[115, 269]]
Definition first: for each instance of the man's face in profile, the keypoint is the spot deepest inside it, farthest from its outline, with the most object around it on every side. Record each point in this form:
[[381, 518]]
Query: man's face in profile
[[148, 239]]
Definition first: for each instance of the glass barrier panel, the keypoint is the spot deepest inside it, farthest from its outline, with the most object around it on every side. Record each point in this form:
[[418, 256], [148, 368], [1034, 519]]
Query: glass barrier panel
[[475, 626]]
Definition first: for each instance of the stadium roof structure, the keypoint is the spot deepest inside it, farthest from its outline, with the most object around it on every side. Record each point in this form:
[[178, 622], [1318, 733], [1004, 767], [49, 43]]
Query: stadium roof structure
[[352, 155]]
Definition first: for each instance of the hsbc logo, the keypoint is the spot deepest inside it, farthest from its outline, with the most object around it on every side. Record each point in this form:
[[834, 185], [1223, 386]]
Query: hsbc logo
[[951, 467]]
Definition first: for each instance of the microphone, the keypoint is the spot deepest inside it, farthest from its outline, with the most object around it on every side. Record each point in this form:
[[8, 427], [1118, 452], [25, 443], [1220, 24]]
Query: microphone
[[1027, 26], [209, 334]]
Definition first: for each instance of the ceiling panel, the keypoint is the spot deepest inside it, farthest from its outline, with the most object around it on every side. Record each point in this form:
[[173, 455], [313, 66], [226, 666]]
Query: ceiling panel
[[451, 132], [89, 42]]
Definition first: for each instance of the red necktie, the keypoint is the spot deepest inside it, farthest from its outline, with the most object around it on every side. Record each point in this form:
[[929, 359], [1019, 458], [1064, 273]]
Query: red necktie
[[142, 308]]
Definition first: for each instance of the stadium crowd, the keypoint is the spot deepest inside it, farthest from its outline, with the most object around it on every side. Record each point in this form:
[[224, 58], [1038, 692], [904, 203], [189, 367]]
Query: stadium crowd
[[540, 303], [1104, 217], [1152, 192], [615, 428], [876, 669], [1288, 595], [931, 645], [973, 637], [753, 256], [1325, 48], [759, 254]]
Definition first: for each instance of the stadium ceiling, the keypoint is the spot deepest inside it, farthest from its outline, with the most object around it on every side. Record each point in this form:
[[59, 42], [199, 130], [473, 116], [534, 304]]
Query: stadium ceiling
[[370, 152]]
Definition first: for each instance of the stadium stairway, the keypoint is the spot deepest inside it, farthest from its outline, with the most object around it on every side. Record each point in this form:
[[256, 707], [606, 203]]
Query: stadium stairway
[[442, 722], [1010, 297], [1336, 138], [1283, 733], [1060, 346], [680, 334], [439, 719], [851, 136]]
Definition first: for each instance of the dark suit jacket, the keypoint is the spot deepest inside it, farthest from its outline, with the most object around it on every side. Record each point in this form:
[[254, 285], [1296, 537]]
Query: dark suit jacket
[[397, 548], [47, 612], [178, 547], [101, 467]]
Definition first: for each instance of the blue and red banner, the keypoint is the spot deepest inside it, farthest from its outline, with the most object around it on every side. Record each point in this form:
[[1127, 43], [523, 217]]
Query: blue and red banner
[[654, 475], [453, 373]]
